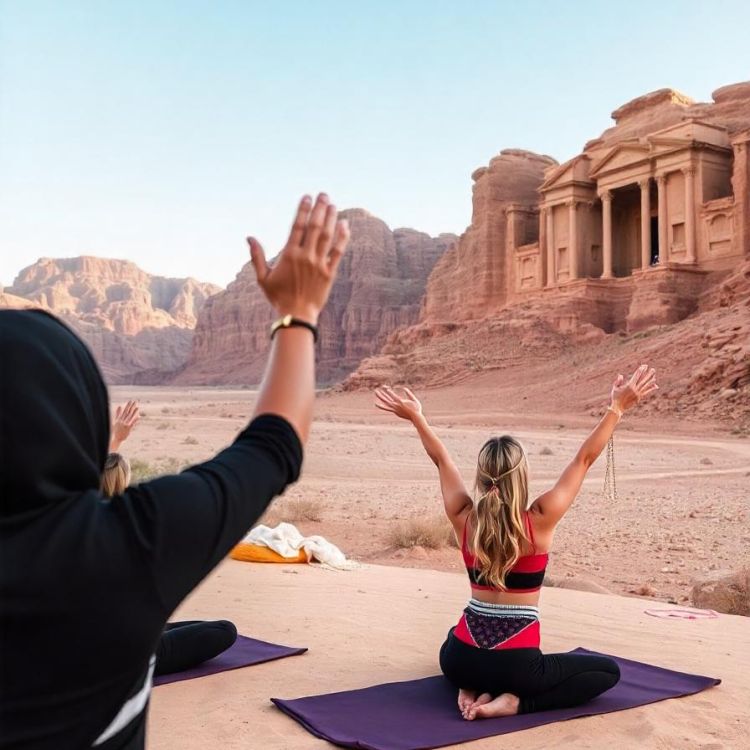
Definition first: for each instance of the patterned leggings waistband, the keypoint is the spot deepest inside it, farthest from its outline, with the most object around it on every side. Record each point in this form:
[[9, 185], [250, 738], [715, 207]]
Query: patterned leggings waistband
[[488, 609]]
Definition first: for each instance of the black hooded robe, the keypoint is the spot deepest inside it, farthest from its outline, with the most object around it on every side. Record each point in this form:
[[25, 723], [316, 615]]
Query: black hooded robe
[[86, 585]]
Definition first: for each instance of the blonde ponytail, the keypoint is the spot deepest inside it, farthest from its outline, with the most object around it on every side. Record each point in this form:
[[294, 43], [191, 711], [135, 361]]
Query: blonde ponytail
[[116, 475], [499, 532]]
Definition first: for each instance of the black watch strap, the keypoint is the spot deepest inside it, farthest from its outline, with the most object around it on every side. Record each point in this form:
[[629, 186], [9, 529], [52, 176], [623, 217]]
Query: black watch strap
[[289, 321]]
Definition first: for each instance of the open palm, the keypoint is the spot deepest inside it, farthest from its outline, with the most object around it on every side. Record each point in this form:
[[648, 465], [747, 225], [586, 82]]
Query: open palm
[[627, 393], [399, 401]]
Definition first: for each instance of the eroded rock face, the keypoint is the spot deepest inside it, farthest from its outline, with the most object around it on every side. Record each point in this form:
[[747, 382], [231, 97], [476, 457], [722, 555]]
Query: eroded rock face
[[470, 280], [723, 591], [660, 109], [380, 284], [138, 326]]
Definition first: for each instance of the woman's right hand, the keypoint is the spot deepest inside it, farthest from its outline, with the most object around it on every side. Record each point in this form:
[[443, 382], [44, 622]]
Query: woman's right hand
[[300, 279], [626, 394], [406, 406], [126, 418]]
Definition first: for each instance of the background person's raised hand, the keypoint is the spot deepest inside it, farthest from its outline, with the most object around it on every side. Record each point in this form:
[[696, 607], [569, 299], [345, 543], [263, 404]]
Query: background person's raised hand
[[627, 393], [126, 418], [399, 401], [299, 280]]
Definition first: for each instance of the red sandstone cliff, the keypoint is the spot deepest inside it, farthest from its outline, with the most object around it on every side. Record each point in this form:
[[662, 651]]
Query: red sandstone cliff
[[467, 332], [468, 279], [379, 287], [660, 109], [138, 326]]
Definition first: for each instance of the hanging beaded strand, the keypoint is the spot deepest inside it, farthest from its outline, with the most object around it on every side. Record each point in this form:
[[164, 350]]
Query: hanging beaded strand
[[610, 484]]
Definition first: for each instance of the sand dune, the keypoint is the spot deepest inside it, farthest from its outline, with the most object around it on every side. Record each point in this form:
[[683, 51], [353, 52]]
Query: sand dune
[[381, 624]]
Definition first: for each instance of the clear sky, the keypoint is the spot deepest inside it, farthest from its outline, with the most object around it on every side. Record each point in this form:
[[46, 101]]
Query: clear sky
[[164, 132]]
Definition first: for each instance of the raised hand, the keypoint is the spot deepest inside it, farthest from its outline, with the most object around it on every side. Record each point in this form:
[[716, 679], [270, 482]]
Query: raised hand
[[300, 279], [404, 404], [126, 418], [626, 394]]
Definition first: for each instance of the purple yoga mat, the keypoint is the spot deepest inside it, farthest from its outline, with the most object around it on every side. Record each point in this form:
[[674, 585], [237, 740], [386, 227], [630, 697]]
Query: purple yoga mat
[[422, 714], [244, 652]]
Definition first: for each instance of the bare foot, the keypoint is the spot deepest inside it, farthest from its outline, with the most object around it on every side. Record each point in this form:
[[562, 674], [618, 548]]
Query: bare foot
[[504, 705], [465, 699], [468, 712]]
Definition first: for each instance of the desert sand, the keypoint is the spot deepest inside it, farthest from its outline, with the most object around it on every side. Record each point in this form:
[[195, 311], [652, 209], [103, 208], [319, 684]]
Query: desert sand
[[681, 512], [381, 624]]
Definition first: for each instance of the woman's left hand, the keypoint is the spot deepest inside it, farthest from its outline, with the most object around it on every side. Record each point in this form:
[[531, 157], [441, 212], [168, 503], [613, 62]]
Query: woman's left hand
[[404, 404]]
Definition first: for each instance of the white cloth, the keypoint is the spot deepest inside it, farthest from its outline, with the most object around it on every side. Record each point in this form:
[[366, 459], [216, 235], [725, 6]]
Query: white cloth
[[286, 541]]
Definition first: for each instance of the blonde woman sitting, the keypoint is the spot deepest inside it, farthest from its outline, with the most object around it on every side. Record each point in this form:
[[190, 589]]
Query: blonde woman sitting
[[492, 655]]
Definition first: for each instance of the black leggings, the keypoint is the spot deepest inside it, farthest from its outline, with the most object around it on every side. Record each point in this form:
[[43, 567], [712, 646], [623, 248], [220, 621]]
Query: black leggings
[[183, 645], [542, 681]]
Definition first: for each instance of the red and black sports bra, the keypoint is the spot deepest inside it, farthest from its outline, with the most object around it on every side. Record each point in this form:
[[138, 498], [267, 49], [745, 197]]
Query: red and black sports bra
[[526, 576]]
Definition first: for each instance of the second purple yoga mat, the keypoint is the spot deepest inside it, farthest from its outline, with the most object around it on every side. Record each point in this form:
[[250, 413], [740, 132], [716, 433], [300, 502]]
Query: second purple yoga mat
[[243, 653], [422, 714]]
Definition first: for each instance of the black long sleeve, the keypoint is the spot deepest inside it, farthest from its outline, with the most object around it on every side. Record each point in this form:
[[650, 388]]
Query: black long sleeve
[[88, 586], [190, 521]]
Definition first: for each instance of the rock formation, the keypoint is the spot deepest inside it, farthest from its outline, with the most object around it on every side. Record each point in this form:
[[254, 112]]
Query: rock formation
[[380, 284], [470, 279], [138, 326], [693, 322], [723, 591]]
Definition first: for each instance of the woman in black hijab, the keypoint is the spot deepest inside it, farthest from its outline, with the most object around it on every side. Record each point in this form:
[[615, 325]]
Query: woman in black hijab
[[86, 585]]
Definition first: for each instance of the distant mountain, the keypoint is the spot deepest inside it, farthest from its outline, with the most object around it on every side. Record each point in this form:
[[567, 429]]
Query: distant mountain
[[139, 326]]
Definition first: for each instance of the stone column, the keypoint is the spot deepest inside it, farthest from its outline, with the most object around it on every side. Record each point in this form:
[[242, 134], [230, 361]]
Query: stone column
[[551, 274], [661, 184], [645, 186], [542, 246], [573, 242], [606, 197], [689, 173]]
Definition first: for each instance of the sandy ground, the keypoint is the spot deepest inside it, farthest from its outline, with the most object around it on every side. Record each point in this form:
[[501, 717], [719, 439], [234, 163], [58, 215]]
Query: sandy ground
[[682, 509], [379, 624]]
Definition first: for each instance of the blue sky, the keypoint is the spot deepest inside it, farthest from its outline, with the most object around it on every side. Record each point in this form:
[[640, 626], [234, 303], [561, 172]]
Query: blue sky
[[164, 132]]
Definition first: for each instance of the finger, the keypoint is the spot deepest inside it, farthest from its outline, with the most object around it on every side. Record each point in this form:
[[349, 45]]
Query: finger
[[648, 390], [388, 401], [410, 394], [297, 233], [327, 233], [392, 393], [646, 376], [388, 398], [258, 259], [315, 224], [383, 407], [118, 411], [340, 241]]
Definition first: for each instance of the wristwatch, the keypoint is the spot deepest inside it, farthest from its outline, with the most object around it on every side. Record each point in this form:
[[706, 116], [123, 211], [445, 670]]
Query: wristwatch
[[289, 321]]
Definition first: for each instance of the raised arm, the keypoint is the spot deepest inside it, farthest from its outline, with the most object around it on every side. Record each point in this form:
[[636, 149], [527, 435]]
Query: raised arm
[[404, 404], [553, 505], [186, 523], [126, 418], [298, 285]]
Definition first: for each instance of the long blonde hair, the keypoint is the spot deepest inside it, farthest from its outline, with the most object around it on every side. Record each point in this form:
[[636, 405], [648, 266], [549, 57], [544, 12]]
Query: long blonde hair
[[499, 531], [116, 475]]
